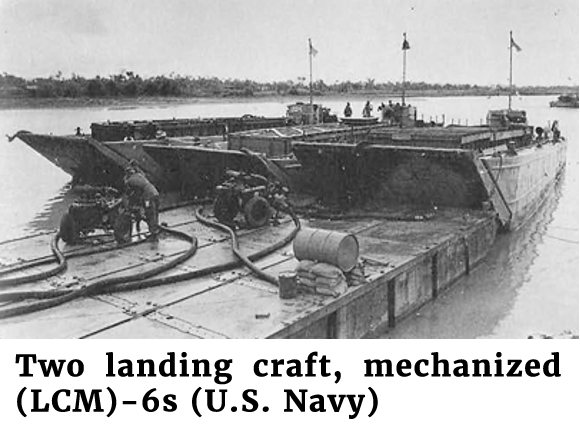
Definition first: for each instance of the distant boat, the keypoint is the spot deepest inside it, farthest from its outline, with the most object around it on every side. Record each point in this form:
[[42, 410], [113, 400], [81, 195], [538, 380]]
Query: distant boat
[[566, 101]]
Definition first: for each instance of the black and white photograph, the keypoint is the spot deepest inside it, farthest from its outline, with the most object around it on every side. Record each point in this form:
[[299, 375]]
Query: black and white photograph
[[256, 169]]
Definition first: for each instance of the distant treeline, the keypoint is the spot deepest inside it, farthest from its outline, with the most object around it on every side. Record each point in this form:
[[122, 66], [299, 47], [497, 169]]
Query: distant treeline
[[131, 85]]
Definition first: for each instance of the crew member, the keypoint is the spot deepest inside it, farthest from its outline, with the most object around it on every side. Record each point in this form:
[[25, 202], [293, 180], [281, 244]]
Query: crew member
[[141, 193], [347, 110], [367, 110], [556, 131], [387, 113], [398, 113]]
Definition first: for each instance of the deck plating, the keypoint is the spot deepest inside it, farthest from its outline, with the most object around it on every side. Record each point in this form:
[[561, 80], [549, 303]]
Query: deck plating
[[406, 264]]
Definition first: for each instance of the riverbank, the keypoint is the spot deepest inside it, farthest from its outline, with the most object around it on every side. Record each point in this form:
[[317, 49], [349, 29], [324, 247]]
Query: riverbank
[[121, 103]]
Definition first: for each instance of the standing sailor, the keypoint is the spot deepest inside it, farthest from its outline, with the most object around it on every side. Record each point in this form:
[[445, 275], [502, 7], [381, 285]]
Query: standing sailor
[[347, 110], [556, 131], [141, 193], [388, 113], [367, 110]]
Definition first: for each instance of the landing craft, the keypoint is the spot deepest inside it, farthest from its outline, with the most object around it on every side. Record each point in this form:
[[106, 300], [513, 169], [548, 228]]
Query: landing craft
[[424, 202], [99, 158]]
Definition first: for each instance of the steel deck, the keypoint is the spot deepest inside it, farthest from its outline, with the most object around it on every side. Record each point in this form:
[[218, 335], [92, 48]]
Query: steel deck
[[406, 264]]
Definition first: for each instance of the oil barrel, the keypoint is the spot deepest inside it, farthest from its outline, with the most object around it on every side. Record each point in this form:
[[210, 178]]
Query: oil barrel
[[336, 248]]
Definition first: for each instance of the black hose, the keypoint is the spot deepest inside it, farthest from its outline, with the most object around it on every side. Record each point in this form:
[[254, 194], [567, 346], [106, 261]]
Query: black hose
[[135, 284], [68, 255], [61, 259], [61, 266], [236, 248], [210, 270], [58, 297]]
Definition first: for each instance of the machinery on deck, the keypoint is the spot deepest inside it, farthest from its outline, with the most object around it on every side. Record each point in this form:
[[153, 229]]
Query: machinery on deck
[[99, 208], [251, 194]]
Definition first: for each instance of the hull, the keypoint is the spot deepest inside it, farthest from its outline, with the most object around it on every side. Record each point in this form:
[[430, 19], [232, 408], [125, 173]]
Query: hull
[[429, 167], [101, 157], [566, 101], [563, 104], [89, 161], [85, 160], [434, 173], [144, 129], [526, 179], [385, 175], [196, 171]]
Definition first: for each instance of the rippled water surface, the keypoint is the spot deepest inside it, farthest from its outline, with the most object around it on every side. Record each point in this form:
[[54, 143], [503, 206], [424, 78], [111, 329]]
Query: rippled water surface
[[527, 284]]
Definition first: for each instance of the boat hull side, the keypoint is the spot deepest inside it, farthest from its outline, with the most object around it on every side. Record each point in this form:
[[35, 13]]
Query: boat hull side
[[391, 175], [77, 156], [527, 178], [67, 153], [196, 171]]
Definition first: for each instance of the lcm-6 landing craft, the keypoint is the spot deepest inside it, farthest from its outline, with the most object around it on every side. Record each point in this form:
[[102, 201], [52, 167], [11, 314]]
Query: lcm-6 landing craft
[[421, 204], [424, 205], [505, 164], [99, 158]]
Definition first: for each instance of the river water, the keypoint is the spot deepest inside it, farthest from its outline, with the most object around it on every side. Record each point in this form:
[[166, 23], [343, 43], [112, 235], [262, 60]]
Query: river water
[[528, 283]]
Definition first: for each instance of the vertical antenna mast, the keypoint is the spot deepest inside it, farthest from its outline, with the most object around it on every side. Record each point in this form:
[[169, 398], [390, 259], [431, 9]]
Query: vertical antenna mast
[[310, 57], [405, 48], [511, 72]]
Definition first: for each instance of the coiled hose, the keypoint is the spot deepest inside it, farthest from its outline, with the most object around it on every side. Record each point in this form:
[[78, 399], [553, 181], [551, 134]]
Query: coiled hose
[[131, 283], [60, 267], [236, 248], [60, 257], [57, 297]]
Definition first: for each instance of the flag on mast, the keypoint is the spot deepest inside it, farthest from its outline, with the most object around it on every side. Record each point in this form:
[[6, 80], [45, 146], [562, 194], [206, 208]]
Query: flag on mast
[[515, 45], [406, 45], [312, 51]]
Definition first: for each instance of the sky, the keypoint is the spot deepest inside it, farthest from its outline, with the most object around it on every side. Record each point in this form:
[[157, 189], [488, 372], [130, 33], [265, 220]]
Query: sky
[[452, 41]]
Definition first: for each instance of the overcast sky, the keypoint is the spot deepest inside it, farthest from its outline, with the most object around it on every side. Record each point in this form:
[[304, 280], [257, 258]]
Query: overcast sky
[[456, 41]]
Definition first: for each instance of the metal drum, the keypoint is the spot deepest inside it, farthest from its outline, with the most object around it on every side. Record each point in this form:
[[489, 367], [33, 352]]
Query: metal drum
[[287, 285], [336, 248]]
